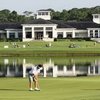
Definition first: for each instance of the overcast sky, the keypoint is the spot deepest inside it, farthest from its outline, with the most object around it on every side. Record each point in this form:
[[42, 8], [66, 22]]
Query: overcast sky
[[33, 5]]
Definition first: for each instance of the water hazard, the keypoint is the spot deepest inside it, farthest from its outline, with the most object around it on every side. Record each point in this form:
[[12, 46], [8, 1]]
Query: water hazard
[[53, 67]]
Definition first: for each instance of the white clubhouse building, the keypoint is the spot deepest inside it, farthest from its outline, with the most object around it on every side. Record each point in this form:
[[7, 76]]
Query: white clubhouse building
[[43, 28]]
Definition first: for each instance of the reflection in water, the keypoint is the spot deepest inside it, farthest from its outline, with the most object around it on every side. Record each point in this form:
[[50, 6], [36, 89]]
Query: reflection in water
[[15, 69]]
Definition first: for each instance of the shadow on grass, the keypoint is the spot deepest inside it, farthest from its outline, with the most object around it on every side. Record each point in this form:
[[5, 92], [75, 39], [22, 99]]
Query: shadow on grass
[[12, 90]]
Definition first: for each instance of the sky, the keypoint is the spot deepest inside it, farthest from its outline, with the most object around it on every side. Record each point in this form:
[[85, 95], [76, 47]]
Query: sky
[[58, 5]]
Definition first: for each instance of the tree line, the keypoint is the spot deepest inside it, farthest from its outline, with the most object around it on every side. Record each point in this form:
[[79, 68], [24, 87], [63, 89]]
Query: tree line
[[12, 16], [75, 14]]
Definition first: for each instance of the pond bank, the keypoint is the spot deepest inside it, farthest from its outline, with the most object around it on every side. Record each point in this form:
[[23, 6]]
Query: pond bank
[[47, 53]]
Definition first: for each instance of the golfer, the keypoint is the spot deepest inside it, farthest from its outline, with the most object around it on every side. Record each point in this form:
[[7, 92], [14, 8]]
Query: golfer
[[33, 77]]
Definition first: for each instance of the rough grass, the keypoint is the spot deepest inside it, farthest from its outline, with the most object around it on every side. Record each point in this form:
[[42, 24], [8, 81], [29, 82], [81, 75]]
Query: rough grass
[[80, 88]]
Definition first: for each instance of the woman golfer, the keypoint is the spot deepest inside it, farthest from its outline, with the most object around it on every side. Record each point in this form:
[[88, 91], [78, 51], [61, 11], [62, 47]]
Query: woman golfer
[[33, 77]]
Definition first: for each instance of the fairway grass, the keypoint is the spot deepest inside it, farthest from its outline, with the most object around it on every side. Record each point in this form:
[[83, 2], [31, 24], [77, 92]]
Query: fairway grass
[[68, 88]]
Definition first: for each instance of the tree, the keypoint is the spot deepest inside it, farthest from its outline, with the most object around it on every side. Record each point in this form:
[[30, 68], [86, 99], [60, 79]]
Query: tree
[[64, 15], [27, 13], [56, 15], [4, 15]]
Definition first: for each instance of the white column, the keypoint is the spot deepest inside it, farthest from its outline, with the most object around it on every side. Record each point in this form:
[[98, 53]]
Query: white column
[[89, 70], [24, 68], [65, 69], [44, 32], [73, 34], [93, 33], [54, 32], [74, 71], [93, 70], [24, 35], [24, 71], [64, 34], [88, 33], [54, 71], [8, 71], [7, 34], [45, 72], [33, 33]]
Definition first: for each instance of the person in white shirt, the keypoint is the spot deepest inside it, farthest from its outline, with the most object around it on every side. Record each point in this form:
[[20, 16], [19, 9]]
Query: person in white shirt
[[33, 77]]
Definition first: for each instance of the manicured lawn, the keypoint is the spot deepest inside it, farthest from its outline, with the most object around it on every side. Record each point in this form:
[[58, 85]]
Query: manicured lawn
[[58, 48], [70, 88], [58, 45]]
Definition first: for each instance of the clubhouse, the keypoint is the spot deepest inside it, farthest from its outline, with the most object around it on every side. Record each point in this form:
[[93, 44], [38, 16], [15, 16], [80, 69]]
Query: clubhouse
[[43, 28]]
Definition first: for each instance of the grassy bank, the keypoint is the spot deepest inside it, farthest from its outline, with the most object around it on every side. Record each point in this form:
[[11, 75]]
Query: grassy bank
[[58, 48], [48, 53], [80, 88]]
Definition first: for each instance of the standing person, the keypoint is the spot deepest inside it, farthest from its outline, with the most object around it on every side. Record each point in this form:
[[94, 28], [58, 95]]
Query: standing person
[[33, 77]]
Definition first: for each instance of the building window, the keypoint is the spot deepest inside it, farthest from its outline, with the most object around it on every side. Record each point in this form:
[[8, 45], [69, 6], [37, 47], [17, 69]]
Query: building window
[[38, 28], [43, 13], [20, 35], [69, 34], [60, 35], [91, 33], [38, 35], [48, 28], [28, 28], [39, 13], [77, 34], [11, 35], [96, 16], [49, 34], [28, 34], [46, 13], [69, 68], [3, 36], [60, 67], [96, 33]]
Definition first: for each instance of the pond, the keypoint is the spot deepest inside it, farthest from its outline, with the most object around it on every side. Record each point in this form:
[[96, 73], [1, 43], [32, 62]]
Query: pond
[[53, 66]]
